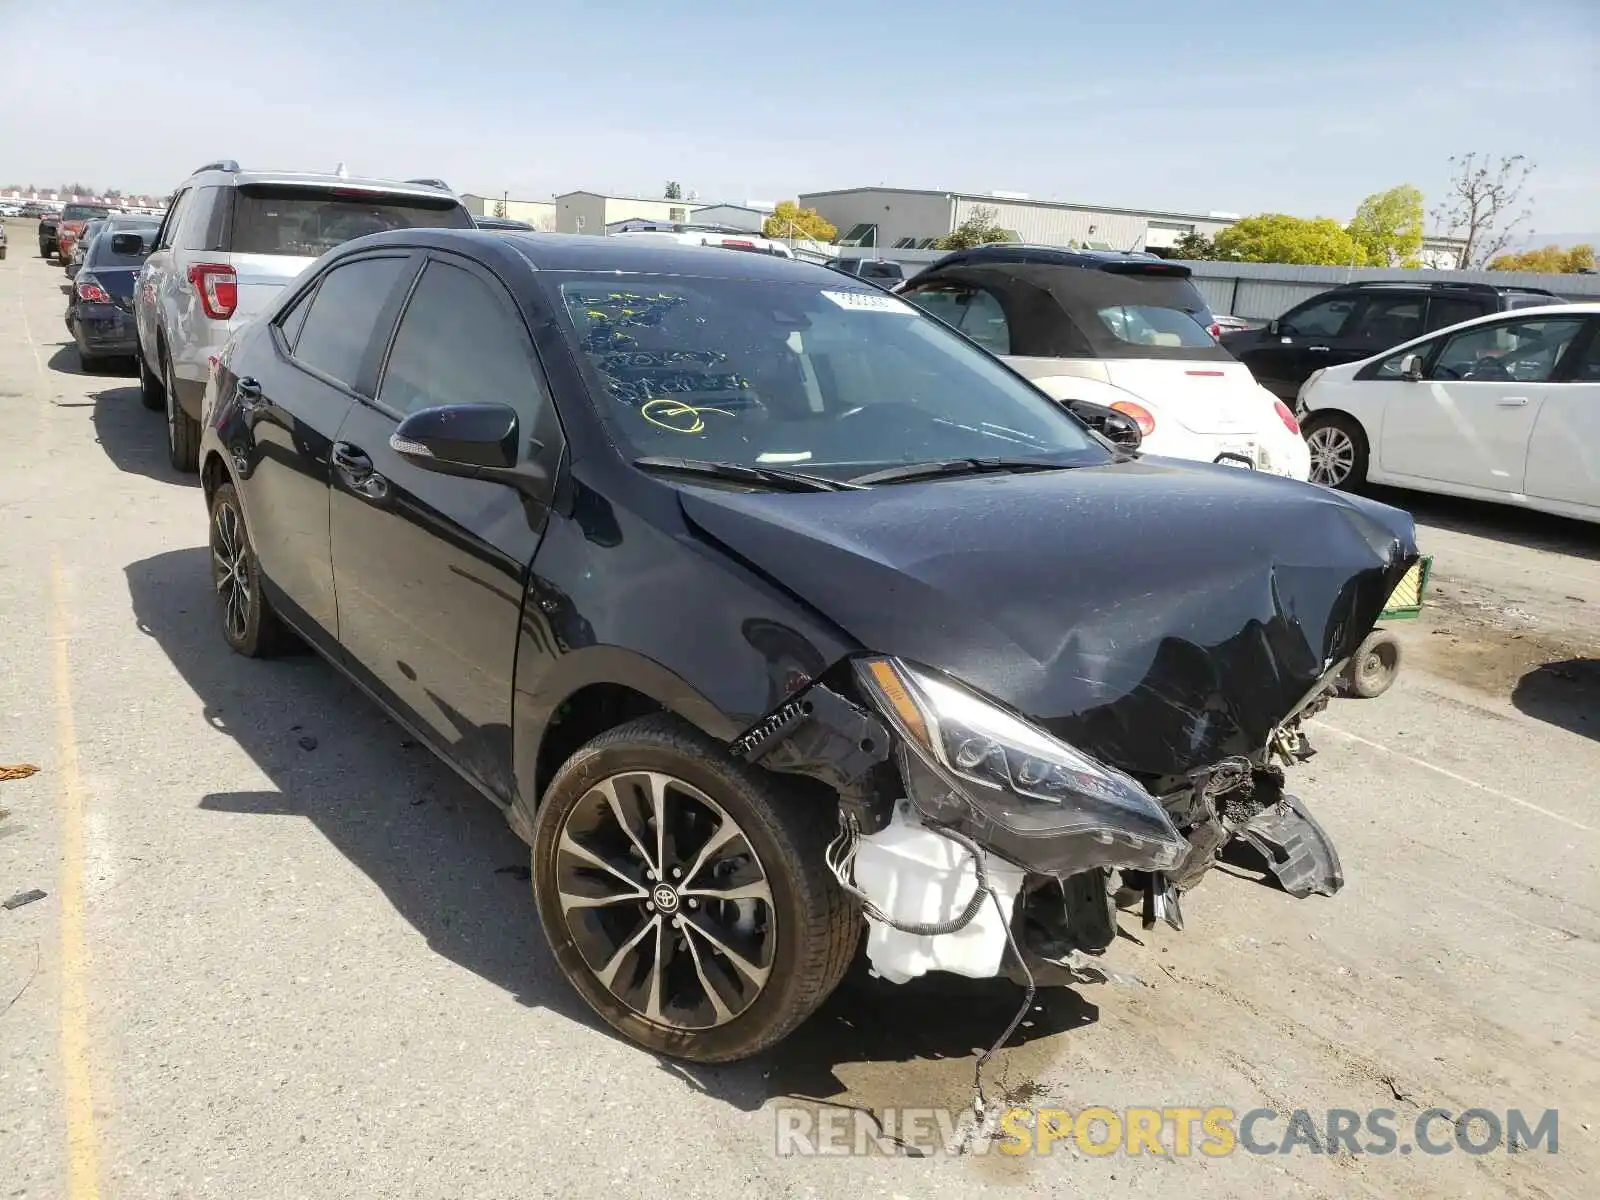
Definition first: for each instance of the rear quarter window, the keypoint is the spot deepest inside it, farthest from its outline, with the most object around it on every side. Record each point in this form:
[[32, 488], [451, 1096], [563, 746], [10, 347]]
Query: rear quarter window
[[307, 222]]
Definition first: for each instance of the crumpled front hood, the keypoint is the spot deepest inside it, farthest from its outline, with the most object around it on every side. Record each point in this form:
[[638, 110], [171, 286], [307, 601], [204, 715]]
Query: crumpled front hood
[[1158, 616]]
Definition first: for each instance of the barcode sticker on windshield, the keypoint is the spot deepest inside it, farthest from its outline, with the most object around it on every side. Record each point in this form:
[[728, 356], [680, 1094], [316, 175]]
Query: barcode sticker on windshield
[[864, 302]]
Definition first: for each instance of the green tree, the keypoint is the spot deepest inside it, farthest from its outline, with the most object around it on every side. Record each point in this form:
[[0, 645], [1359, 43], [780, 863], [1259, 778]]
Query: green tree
[[1280, 238], [673, 190], [1388, 227], [1551, 260], [789, 220], [978, 229], [1196, 247]]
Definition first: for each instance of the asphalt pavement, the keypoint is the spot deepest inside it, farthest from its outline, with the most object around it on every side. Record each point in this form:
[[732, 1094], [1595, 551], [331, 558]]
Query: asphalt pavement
[[282, 953]]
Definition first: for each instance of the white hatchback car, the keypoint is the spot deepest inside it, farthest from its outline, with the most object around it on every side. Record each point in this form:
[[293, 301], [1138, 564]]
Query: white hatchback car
[[1120, 332], [1504, 407]]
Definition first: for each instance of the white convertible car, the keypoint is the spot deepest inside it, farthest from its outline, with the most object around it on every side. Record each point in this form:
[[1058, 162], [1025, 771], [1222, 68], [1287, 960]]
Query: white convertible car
[[1504, 407], [1124, 332]]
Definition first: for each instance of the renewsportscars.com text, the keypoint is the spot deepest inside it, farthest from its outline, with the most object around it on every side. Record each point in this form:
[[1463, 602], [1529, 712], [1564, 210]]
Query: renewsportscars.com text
[[1214, 1132]]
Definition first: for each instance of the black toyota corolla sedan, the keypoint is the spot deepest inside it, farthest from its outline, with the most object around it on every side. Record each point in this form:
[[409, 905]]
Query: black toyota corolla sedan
[[772, 611]]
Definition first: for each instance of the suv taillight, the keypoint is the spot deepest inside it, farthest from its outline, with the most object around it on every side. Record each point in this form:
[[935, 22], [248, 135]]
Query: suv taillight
[[217, 287]]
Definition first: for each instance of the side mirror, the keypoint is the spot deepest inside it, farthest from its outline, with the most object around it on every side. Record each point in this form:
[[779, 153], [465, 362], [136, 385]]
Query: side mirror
[[1117, 428], [472, 440], [127, 244], [1411, 368]]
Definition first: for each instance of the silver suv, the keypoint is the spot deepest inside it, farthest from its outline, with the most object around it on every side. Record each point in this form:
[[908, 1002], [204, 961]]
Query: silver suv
[[230, 242]]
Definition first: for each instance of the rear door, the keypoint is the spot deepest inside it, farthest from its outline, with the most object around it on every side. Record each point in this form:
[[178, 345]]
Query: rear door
[[326, 356], [1564, 450], [1445, 311], [1470, 421], [431, 569], [1383, 321]]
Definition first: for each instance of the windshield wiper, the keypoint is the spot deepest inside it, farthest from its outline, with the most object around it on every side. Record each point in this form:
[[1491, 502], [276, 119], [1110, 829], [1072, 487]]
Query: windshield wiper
[[793, 481], [954, 466]]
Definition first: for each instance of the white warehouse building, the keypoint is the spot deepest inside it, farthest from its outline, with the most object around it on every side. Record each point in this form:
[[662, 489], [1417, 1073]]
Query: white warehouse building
[[913, 219]]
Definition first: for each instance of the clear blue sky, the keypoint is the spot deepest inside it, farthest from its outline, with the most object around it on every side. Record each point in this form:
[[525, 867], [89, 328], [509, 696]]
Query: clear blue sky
[[1235, 105]]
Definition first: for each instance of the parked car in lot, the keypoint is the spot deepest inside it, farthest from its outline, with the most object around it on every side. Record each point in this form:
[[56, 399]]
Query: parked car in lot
[[1125, 333], [707, 235], [1504, 407], [100, 307], [47, 233], [2, 241], [230, 242], [74, 219], [879, 270], [1186, 295], [119, 223], [697, 563], [1356, 320], [501, 223]]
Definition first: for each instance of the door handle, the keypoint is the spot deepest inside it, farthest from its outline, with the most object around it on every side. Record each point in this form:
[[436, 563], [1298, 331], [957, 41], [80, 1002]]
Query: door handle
[[1318, 349], [351, 461], [1513, 402]]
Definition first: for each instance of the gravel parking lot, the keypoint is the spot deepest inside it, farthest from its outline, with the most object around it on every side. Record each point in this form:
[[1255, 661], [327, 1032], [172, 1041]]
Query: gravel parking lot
[[284, 953]]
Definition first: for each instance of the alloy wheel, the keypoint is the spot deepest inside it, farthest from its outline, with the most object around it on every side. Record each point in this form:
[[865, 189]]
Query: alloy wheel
[[666, 900], [230, 571], [1333, 454]]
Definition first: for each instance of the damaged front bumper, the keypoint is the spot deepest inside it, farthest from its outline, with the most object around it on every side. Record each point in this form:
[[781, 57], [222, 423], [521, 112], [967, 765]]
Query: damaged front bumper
[[981, 845]]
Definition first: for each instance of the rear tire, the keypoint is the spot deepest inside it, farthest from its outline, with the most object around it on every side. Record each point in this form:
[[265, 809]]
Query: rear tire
[[183, 431], [151, 394], [249, 624], [1338, 451], [790, 925]]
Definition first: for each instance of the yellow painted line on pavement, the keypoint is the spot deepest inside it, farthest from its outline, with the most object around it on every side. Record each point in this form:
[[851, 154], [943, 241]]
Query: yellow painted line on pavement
[[83, 1159]]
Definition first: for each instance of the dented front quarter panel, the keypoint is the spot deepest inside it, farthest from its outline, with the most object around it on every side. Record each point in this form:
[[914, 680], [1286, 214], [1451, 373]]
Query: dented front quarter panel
[[1159, 616]]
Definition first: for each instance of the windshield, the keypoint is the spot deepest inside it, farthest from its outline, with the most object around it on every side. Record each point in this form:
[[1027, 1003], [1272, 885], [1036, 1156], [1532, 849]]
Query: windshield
[[834, 382], [310, 221]]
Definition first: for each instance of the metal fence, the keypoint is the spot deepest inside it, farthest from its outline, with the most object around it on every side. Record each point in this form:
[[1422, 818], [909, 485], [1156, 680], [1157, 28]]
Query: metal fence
[[1262, 291]]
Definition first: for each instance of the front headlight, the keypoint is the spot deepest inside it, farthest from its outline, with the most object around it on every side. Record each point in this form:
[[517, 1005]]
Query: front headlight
[[1011, 785]]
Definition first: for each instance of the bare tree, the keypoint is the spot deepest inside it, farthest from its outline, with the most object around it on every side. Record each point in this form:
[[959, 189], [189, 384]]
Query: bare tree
[[1483, 204]]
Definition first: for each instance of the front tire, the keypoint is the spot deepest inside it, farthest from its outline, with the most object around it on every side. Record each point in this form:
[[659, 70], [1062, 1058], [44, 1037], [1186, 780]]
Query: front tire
[[249, 624], [183, 431], [685, 894], [1338, 451], [1374, 665]]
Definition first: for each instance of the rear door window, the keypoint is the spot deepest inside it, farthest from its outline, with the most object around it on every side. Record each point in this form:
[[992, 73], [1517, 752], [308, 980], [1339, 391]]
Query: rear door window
[[344, 312], [1445, 311], [1387, 321], [308, 222]]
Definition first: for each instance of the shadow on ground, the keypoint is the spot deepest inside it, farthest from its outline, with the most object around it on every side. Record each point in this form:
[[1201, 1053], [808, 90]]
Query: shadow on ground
[[133, 437], [1566, 694], [1501, 522], [446, 860]]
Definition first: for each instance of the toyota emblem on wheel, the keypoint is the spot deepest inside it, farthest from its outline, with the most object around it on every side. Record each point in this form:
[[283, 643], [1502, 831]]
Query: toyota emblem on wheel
[[666, 898]]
